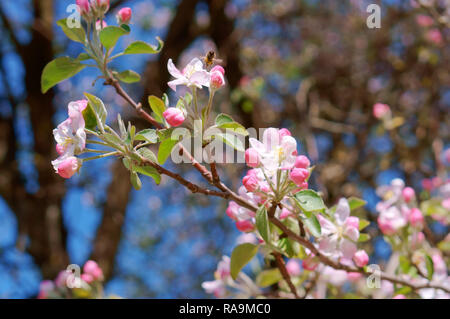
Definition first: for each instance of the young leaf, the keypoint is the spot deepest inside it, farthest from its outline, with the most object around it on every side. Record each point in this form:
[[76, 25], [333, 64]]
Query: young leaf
[[147, 154], [363, 224], [83, 57], [90, 119], [148, 135], [110, 35], [135, 181], [74, 34], [59, 70], [223, 119], [313, 225], [128, 76], [158, 107], [232, 140], [240, 256], [363, 237], [309, 201], [430, 267], [141, 47], [355, 203], [165, 148], [262, 223], [149, 171], [268, 277], [99, 109]]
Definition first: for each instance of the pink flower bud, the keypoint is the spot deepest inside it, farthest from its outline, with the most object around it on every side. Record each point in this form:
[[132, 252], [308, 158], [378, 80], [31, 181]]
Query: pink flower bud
[[399, 297], [83, 6], [360, 258], [68, 167], [416, 217], [102, 5], [284, 132], [252, 157], [219, 69], [100, 25], [174, 116], [250, 183], [299, 175], [352, 222], [380, 110], [434, 36], [310, 263], [45, 287], [302, 162], [87, 278], [424, 20], [217, 80], [245, 226], [124, 16], [408, 194], [293, 267], [427, 184], [91, 268]]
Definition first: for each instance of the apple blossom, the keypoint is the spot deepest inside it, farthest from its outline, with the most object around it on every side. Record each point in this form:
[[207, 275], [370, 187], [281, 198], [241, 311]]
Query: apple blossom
[[299, 175], [434, 36], [217, 80], [218, 68], [250, 182], [92, 268], [66, 167], [174, 116], [193, 75], [391, 220], [339, 237], [424, 20], [124, 16]]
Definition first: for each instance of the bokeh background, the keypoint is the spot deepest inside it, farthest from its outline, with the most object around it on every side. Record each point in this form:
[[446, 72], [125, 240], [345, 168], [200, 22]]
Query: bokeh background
[[311, 66]]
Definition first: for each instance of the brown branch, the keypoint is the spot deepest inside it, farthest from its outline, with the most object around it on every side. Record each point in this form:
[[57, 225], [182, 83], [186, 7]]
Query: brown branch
[[282, 267]]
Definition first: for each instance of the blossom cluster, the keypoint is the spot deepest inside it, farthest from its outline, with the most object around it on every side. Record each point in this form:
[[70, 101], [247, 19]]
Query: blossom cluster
[[62, 287], [70, 137]]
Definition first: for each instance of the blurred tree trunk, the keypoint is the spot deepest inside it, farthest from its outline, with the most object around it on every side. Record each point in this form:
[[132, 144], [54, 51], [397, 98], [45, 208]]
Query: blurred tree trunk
[[38, 214]]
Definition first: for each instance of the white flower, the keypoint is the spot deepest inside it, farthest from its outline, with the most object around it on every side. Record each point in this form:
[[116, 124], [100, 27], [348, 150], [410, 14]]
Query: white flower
[[338, 239], [275, 151], [193, 75]]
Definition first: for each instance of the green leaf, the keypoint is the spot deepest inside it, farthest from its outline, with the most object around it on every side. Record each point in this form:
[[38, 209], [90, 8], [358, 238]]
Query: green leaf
[[262, 223], [223, 119], [165, 148], [285, 245], [59, 70], [128, 76], [74, 34], [135, 181], [110, 35], [309, 201], [363, 237], [363, 224], [83, 57], [404, 264], [232, 140], [148, 135], [355, 202], [99, 109], [313, 225], [403, 290], [268, 277], [430, 267], [141, 47], [90, 119], [113, 139], [158, 107], [240, 257], [147, 154]]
